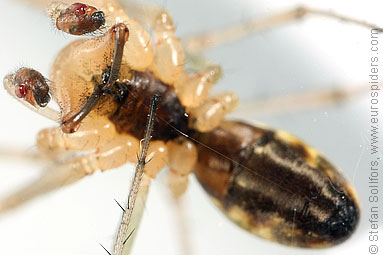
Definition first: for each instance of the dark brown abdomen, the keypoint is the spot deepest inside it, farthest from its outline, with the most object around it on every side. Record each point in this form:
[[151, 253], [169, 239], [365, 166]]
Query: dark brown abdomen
[[132, 112], [273, 185]]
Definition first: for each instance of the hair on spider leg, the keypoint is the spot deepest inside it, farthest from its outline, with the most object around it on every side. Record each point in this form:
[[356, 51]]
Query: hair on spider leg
[[127, 238], [122, 208], [105, 249]]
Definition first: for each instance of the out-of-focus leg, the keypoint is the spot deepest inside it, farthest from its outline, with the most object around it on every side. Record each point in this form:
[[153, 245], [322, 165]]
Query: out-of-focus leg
[[198, 43], [113, 154]]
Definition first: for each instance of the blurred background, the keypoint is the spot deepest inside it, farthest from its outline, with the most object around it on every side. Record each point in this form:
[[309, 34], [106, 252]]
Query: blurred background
[[307, 55]]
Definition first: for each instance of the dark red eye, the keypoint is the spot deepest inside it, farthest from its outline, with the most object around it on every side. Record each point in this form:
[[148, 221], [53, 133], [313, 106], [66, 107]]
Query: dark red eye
[[79, 8], [21, 91]]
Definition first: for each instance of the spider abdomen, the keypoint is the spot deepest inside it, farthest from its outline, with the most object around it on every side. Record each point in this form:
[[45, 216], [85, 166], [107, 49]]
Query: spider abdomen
[[275, 186]]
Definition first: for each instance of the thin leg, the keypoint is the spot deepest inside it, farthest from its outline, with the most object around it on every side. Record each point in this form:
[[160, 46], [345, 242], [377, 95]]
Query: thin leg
[[117, 152], [198, 43], [63, 174], [183, 231], [140, 186], [183, 156], [127, 238], [23, 153], [303, 101]]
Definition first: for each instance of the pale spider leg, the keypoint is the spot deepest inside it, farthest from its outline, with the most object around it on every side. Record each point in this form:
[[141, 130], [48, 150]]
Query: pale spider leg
[[183, 230], [169, 58], [53, 144], [63, 174], [195, 44], [113, 154], [144, 12], [92, 134], [182, 156], [304, 100], [210, 114], [23, 153], [138, 51], [193, 89]]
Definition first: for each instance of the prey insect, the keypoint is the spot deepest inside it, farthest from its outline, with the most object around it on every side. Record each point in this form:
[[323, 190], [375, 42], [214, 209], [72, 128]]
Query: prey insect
[[74, 121]]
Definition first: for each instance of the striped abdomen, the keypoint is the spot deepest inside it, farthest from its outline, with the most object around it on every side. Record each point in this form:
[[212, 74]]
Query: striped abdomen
[[275, 186]]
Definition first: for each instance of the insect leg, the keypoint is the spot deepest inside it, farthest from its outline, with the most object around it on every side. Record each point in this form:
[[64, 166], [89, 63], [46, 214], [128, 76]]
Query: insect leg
[[195, 44]]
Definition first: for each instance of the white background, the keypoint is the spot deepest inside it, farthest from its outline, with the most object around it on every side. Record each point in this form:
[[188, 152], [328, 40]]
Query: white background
[[302, 56]]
